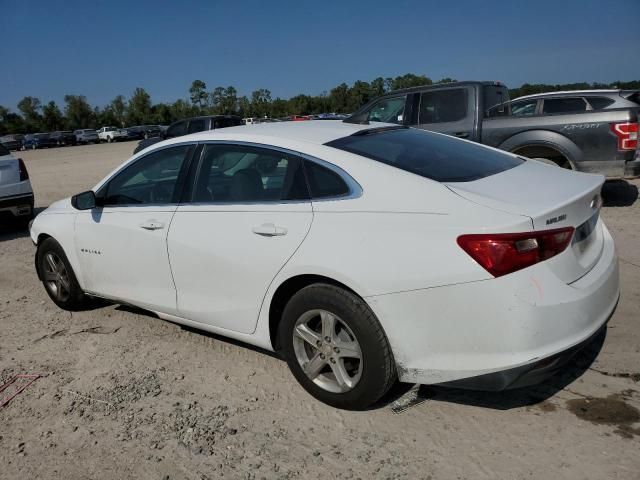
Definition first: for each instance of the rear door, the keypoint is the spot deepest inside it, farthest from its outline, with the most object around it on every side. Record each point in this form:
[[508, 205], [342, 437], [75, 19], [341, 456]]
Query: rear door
[[247, 213], [449, 110]]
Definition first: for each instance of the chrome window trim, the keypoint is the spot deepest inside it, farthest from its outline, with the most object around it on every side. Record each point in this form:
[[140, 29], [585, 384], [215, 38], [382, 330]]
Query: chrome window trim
[[355, 190]]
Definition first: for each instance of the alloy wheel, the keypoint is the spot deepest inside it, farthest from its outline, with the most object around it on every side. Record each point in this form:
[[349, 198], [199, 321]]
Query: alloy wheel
[[56, 277], [327, 350]]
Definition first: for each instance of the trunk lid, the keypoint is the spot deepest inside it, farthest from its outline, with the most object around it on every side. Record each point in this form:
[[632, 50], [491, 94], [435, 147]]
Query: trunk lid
[[552, 198], [9, 173]]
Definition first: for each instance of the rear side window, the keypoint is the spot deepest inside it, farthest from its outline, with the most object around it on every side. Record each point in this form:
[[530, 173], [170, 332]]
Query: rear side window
[[441, 106], [564, 105], [324, 183], [196, 125], [177, 129], [239, 173], [428, 154], [599, 103]]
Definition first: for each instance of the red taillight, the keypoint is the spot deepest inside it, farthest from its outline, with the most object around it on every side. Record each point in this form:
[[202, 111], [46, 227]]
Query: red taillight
[[502, 253], [24, 175], [627, 134]]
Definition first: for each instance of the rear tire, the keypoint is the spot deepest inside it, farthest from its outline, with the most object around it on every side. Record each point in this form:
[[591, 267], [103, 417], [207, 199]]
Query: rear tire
[[336, 348], [58, 277]]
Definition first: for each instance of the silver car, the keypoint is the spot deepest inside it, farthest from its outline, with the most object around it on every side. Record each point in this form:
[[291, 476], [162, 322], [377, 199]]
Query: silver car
[[86, 136]]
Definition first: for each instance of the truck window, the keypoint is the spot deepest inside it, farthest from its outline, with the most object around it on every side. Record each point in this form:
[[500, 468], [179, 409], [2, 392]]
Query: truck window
[[177, 129], [599, 103], [525, 108], [495, 98], [390, 110], [440, 106], [197, 125], [564, 105]]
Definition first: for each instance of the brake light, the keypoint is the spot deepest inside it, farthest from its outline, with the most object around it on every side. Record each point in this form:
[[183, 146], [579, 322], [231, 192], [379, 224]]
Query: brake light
[[503, 253], [627, 134], [24, 175]]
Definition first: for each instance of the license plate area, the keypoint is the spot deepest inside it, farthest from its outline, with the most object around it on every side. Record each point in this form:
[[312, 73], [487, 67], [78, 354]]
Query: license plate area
[[584, 234]]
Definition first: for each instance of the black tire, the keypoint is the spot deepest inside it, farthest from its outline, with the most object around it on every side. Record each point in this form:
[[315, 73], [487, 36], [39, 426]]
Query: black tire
[[76, 299], [378, 371]]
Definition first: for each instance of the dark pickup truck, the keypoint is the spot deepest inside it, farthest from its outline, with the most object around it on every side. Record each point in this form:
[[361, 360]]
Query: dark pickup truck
[[593, 131]]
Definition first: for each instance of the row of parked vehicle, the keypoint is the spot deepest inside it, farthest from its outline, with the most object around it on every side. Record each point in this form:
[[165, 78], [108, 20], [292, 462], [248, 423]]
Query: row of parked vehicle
[[83, 136]]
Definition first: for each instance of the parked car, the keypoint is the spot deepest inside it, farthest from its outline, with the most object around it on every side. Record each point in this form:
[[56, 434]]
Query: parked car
[[479, 268], [86, 135], [16, 195], [63, 138], [37, 140], [191, 125], [590, 131], [139, 132], [112, 134], [12, 142]]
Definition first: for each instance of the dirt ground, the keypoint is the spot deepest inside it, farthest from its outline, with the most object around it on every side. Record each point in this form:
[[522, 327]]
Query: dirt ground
[[129, 396]]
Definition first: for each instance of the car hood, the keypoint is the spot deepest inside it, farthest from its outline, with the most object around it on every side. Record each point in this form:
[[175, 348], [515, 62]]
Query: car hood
[[61, 206]]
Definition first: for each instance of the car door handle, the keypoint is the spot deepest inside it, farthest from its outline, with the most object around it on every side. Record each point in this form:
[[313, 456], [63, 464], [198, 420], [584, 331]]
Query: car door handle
[[152, 225], [461, 134], [269, 230]]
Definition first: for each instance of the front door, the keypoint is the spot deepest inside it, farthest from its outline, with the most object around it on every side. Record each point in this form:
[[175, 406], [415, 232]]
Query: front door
[[122, 245], [246, 216]]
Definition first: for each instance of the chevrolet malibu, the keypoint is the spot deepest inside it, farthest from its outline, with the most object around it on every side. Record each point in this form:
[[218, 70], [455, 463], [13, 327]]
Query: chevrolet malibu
[[362, 254]]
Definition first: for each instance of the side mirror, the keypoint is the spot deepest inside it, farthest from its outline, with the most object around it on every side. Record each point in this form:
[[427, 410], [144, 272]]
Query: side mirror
[[84, 201]]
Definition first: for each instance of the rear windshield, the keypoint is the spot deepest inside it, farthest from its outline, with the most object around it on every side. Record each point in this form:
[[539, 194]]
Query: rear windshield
[[430, 155]]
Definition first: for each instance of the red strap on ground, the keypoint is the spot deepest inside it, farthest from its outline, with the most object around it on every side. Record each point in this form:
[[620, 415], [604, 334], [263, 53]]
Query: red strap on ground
[[19, 386]]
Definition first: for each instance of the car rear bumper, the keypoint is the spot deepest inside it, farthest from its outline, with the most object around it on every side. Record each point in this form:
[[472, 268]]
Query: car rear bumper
[[498, 333], [17, 205]]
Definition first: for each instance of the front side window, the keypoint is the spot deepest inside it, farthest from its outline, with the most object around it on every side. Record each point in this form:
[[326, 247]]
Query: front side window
[[177, 129], [149, 180], [524, 109], [389, 110], [427, 154], [441, 106], [564, 105], [239, 173]]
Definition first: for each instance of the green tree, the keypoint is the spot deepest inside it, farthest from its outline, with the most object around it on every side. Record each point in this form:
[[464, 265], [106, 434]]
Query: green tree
[[11, 122], [198, 93], [118, 108], [30, 109], [339, 98], [78, 112], [52, 118], [139, 108], [260, 102]]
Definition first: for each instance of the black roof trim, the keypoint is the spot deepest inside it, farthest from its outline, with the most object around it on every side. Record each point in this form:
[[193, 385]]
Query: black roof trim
[[373, 131]]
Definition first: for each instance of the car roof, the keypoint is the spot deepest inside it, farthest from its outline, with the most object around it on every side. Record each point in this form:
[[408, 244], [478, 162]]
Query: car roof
[[570, 92], [313, 131]]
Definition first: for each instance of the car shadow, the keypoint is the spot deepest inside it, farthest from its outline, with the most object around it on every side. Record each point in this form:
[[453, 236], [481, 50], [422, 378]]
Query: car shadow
[[507, 399], [619, 193], [195, 331]]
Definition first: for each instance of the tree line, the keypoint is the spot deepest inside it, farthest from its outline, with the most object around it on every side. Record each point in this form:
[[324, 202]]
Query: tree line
[[138, 109]]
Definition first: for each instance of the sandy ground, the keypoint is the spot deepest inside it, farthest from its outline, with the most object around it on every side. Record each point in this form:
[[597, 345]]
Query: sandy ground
[[129, 396]]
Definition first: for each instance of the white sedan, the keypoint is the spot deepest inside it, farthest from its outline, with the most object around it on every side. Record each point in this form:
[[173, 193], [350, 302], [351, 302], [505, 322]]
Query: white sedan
[[363, 254]]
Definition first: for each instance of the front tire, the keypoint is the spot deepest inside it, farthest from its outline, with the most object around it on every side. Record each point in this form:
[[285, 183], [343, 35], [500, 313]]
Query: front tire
[[58, 277], [336, 348]]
